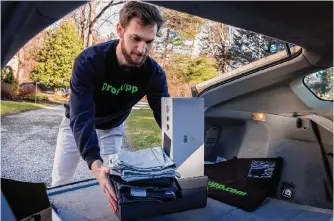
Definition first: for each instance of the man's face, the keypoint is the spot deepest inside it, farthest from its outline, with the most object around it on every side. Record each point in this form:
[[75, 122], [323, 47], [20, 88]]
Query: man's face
[[136, 41]]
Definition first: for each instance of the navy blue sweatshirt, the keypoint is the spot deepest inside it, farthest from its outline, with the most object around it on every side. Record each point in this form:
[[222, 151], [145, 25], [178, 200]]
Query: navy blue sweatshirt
[[103, 94]]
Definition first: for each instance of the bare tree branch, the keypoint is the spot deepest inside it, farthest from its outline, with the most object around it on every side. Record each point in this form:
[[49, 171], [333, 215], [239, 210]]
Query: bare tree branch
[[84, 20], [74, 17], [91, 23], [107, 20], [98, 3], [104, 9]]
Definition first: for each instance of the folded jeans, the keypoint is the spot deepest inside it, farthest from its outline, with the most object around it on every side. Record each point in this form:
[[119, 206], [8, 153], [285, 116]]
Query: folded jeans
[[159, 182], [132, 175], [146, 159], [171, 188], [125, 192], [125, 197]]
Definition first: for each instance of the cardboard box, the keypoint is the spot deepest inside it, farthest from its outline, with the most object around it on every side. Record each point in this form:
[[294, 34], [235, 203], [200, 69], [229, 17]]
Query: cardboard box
[[182, 125], [24, 201], [194, 197]]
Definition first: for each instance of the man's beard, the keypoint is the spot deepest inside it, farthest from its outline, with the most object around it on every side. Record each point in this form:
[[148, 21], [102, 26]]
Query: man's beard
[[128, 58]]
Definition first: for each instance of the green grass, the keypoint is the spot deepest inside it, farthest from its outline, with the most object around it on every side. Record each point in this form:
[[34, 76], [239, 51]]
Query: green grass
[[58, 99], [142, 129], [11, 107]]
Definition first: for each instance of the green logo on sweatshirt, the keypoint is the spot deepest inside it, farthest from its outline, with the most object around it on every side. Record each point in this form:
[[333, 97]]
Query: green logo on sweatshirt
[[124, 87], [219, 186]]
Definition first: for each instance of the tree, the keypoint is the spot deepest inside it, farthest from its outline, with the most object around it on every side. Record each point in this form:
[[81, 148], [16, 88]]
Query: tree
[[174, 40], [79, 16], [94, 17], [248, 46], [29, 53], [194, 70], [185, 24], [178, 27], [55, 59], [233, 47], [216, 42], [183, 71], [91, 23], [321, 83], [199, 69], [89, 15], [21, 66], [23, 61], [177, 84], [7, 75]]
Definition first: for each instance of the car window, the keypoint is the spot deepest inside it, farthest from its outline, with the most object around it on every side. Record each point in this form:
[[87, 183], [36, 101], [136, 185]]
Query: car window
[[321, 83], [197, 51], [234, 47]]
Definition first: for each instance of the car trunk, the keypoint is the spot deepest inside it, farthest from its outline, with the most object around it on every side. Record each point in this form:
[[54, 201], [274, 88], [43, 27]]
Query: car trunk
[[246, 120], [236, 134], [70, 203]]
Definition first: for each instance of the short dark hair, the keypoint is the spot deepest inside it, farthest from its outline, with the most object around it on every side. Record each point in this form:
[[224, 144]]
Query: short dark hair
[[148, 14]]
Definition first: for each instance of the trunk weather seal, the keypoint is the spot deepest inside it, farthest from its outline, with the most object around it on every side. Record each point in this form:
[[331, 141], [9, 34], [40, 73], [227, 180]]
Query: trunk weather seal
[[71, 187], [281, 61]]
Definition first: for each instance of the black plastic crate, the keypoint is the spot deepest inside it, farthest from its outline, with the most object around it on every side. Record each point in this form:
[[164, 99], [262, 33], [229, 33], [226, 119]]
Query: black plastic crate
[[194, 197]]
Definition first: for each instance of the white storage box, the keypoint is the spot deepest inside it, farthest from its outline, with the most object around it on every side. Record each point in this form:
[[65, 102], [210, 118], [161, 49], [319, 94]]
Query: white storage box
[[183, 134]]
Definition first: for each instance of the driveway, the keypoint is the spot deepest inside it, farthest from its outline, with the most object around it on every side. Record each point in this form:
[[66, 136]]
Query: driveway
[[28, 142]]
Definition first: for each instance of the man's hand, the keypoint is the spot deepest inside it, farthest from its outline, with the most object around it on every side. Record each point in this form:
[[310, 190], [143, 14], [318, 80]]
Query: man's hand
[[101, 174]]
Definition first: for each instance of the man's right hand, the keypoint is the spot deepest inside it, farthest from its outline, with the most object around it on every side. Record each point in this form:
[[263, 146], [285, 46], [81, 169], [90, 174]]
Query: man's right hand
[[101, 173]]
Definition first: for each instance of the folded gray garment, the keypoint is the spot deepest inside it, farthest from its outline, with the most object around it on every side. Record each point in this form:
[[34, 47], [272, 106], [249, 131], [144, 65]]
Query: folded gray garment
[[149, 158], [143, 164], [132, 175]]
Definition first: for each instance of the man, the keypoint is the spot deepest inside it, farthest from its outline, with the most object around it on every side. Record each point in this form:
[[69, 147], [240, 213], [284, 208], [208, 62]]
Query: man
[[107, 81]]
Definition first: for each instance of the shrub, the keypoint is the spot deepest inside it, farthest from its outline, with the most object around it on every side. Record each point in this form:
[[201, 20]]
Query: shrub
[[6, 91], [39, 97], [29, 89], [7, 75]]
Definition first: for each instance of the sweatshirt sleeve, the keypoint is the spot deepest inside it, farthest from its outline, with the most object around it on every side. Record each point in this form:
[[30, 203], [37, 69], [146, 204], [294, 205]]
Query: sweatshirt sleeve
[[82, 109], [158, 90]]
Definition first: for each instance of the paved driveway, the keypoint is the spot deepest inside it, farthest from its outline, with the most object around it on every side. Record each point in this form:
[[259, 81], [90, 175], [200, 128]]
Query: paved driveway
[[28, 142]]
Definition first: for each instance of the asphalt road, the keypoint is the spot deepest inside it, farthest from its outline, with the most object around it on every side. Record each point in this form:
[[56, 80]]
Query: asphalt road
[[28, 142]]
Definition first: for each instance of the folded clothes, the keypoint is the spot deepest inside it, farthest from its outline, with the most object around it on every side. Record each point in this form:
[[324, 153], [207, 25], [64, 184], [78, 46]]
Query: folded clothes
[[146, 175], [158, 182], [131, 193], [128, 199], [133, 175], [170, 188], [153, 192], [150, 163], [145, 159]]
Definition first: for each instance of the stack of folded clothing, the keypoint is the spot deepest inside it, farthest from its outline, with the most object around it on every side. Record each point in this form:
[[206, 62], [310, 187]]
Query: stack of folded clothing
[[144, 176]]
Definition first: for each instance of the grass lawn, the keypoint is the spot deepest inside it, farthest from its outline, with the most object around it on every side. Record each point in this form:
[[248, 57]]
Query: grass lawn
[[11, 107], [142, 129], [57, 99]]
